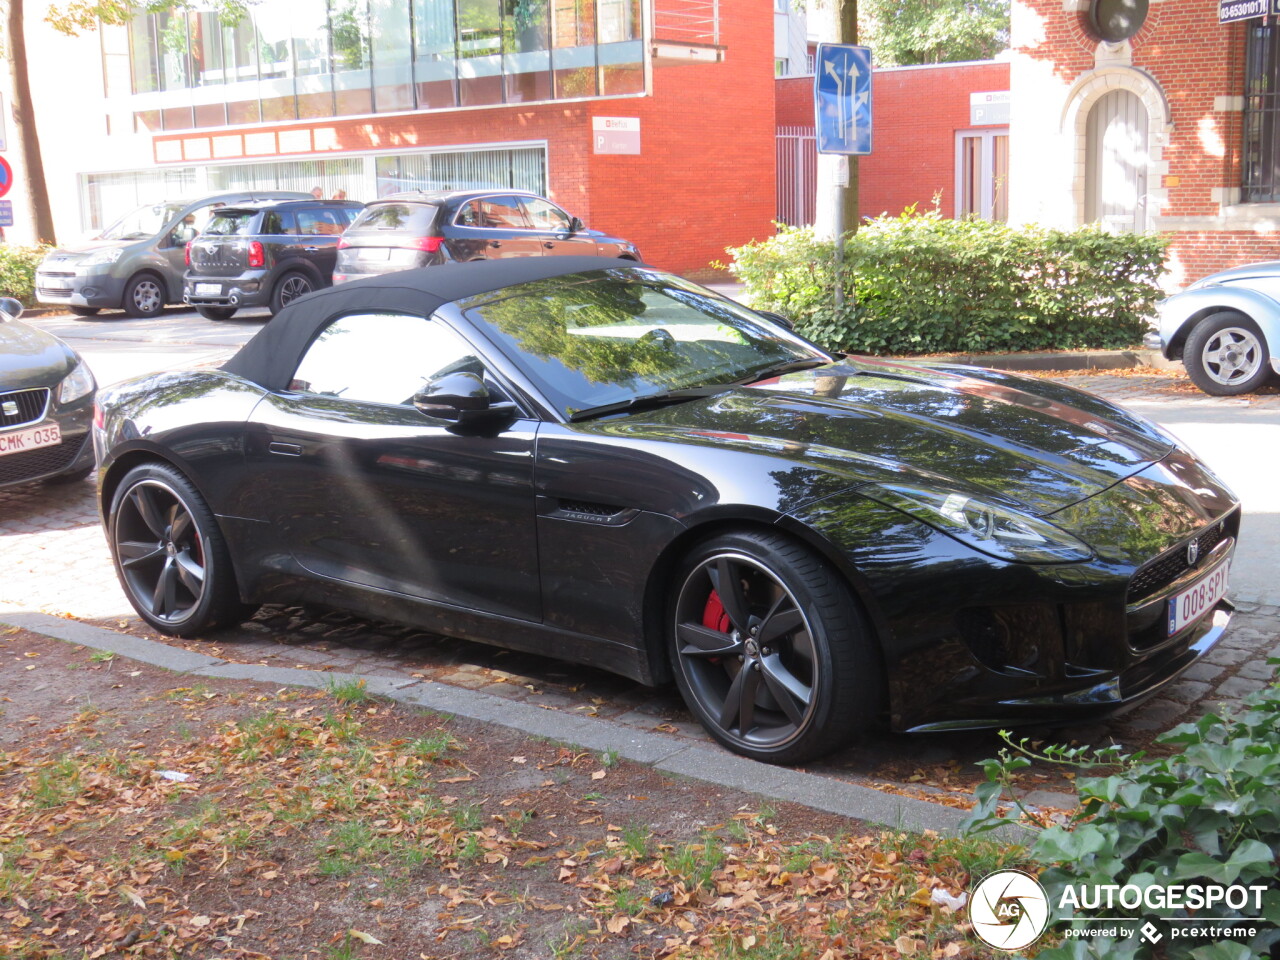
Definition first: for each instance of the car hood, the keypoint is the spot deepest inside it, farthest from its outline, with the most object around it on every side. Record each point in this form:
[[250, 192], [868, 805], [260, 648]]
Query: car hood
[[1036, 446], [29, 357], [79, 251]]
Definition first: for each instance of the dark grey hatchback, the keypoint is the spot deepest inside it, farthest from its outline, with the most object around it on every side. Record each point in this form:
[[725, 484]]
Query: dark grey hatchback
[[264, 254]]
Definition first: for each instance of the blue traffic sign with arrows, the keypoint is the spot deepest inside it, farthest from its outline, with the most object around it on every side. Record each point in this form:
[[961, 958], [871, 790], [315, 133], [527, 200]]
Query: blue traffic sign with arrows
[[842, 98]]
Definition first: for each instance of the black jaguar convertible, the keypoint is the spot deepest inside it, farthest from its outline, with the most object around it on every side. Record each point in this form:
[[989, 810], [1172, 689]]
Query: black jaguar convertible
[[611, 465]]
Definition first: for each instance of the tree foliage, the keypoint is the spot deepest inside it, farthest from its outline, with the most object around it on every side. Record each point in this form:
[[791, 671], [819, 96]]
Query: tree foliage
[[76, 15], [906, 32]]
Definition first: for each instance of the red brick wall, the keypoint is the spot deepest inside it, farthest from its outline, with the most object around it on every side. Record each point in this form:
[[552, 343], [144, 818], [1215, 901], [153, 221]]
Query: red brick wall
[[1194, 59], [704, 179], [917, 111]]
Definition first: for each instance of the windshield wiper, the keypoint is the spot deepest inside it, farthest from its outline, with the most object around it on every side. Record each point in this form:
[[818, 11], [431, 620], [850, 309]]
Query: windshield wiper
[[787, 366], [650, 401]]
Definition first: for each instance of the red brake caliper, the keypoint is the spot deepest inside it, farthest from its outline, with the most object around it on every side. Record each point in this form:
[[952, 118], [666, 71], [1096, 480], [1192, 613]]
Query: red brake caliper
[[714, 617]]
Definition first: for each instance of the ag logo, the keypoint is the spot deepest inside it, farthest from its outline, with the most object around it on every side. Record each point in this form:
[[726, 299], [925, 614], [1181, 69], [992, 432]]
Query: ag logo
[[1009, 909]]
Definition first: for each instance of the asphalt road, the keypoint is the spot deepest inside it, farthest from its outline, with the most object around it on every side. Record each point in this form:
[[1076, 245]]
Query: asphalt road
[[1238, 437]]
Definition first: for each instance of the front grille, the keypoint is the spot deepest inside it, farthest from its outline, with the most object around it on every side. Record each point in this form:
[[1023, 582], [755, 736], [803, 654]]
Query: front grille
[[1170, 565], [41, 274], [42, 461], [31, 406]]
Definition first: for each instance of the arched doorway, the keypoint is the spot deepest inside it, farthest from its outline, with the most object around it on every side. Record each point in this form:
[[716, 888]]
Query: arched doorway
[[1116, 162]]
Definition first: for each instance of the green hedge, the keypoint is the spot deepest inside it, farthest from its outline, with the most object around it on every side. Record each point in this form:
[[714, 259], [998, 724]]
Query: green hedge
[[928, 284], [18, 271]]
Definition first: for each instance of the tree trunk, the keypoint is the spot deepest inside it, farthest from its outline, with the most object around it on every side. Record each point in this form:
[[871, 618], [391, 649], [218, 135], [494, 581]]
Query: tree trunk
[[837, 23], [24, 125]]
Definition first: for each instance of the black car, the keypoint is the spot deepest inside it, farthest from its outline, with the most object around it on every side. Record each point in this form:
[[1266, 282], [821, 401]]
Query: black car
[[46, 404], [264, 254], [608, 464], [421, 229]]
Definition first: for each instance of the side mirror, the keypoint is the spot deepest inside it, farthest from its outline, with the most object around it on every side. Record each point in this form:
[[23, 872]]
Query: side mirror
[[10, 309], [461, 399], [576, 225], [777, 318]]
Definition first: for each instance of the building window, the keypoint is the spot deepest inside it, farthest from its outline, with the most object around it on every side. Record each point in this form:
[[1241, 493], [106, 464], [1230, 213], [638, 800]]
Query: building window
[[982, 174], [1261, 167], [306, 59]]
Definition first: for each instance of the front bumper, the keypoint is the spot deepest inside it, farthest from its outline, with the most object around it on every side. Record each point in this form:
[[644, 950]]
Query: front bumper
[[73, 454], [252, 289], [83, 288]]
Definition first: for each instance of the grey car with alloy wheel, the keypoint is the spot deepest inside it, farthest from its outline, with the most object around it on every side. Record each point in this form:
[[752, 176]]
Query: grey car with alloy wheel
[[136, 264], [264, 254], [1225, 329]]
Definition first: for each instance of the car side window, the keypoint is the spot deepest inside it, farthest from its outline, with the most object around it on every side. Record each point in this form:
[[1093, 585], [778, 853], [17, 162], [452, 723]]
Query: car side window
[[502, 213], [471, 215], [382, 358], [320, 223], [544, 215], [278, 223]]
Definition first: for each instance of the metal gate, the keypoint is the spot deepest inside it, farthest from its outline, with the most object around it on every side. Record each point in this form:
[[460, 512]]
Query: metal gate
[[797, 176]]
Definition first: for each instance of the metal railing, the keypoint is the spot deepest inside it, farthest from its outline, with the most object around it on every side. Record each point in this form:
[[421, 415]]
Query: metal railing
[[797, 175], [687, 21]]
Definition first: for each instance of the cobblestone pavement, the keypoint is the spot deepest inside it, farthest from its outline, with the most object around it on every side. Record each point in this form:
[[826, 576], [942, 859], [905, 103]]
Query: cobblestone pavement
[[56, 561]]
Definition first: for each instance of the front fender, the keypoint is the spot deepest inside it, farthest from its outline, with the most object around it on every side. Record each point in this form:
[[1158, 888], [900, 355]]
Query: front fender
[[1181, 312]]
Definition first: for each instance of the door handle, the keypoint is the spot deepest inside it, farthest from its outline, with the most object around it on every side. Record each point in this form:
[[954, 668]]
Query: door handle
[[285, 449], [548, 244], [495, 243], [310, 249]]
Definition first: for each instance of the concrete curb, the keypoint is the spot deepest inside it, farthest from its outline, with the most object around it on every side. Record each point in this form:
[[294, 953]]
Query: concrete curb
[[1066, 360], [665, 753]]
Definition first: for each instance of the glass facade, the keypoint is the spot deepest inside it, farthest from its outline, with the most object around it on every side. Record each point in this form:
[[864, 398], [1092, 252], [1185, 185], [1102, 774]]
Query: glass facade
[[306, 59], [110, 195]]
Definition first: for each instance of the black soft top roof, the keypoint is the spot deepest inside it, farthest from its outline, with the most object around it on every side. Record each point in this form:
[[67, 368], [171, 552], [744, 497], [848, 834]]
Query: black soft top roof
[[271, 357]]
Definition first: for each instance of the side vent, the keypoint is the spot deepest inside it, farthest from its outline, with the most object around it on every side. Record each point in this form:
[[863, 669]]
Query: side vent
[[584, 511]]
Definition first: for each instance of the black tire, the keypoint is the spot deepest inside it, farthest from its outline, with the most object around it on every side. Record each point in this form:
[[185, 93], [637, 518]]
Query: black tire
[[85, 311], [216, 313], [1226, 355], [805, 682], [288, 288], [82, 474], [170, 555], [144, 296]]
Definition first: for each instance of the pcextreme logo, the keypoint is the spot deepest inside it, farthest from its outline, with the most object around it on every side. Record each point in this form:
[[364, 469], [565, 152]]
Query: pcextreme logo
[[1009, 909]]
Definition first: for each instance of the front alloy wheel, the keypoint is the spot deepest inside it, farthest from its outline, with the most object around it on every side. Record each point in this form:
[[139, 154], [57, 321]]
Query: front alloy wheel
[[1226, 355], [170, 555], [770, 651], [144, 297]]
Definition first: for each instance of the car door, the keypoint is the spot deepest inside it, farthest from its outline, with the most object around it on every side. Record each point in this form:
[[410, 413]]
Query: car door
[[494, 226], [319, 229], [363, 488], [554, 229]]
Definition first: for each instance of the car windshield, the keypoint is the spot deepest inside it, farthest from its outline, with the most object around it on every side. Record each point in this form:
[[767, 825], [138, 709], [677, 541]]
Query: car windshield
[[614, 336], [231, 223], [146, 221]]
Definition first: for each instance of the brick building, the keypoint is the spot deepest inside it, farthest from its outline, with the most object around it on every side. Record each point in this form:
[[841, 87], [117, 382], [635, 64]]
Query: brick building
[[1149, 116], [372, 96], [936, 139]]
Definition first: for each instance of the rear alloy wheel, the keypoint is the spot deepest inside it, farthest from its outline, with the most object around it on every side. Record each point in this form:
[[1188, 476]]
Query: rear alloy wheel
[[770, 651], [290, 287], [143, 297], [170, 555], [216, 313], [1226, 355]]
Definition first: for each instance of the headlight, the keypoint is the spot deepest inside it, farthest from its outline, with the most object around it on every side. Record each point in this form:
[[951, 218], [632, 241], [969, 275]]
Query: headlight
[[109, 255], [76, 384], [996, 531]]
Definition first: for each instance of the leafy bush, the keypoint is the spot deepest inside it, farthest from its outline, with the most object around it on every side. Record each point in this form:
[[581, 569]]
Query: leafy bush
[[18, 271], [1208, 813], [927, 284]]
